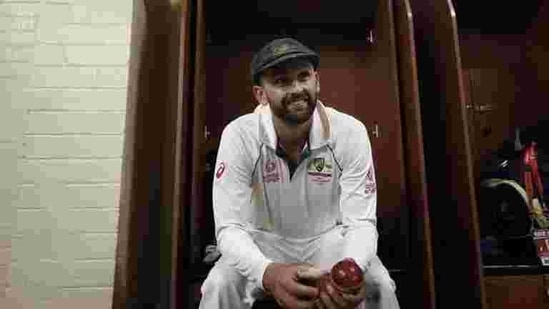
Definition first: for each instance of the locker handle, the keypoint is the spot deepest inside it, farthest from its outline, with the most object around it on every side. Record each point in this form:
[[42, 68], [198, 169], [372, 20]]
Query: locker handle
[[480, 108], [375, 130]]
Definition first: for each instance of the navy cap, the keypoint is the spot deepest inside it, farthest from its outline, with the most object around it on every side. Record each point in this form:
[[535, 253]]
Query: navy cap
[[278, 51]]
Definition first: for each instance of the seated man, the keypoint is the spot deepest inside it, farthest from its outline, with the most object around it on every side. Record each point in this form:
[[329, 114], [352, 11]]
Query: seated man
[[294, 192]]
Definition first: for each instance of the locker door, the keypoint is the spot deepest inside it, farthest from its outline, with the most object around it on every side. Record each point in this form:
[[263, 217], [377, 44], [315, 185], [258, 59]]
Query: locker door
[[421, 260], [452, 201]]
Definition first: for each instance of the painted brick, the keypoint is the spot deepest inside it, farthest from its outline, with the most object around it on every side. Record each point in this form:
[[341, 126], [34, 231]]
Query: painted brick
[[82, 298], [5, 256], [3, 293], [65, 221], [7, 215], [17, 23], [72, 146], [48, 55], [90, 220], [11, 124], [101, 11], [73, 171], [60, 224], [16, 53], [17, 37], [93, 273], [51, 245], [8, 155], [74, 122], [64, 77], [97, 55], [5, 236], [13, 70], [17, 297], [18, 1], [31, 221], [39, 277], [94, 246], [84, 34], [74, 196], [61, 1], [75, 99], [61, 245], [53, 15], [33, 244], [75, 77], [18, 9], [4, 274]]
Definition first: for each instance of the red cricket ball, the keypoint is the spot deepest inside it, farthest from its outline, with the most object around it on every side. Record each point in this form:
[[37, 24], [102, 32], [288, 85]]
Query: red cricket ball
[[347, 275]]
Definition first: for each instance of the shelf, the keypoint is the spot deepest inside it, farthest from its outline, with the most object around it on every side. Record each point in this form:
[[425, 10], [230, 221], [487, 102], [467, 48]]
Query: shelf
[[506, 270]]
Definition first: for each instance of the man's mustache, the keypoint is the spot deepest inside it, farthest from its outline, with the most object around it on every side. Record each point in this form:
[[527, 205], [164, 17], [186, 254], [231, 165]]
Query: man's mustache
[[293, 97]]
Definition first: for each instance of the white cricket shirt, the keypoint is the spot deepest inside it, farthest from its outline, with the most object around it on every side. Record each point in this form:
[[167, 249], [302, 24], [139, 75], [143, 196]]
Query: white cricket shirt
[[334, 184]]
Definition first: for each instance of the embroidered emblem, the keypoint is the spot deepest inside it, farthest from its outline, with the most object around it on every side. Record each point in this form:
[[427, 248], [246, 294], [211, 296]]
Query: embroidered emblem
[[370, 181], [370, 175], [270, 172], [270, 166], [220, 170], [279, 50], [319, 170]]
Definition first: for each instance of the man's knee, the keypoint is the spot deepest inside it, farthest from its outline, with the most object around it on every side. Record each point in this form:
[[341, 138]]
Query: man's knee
[[222, 278]]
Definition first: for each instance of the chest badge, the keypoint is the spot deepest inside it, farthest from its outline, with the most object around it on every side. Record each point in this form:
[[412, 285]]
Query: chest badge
[[319, 170]]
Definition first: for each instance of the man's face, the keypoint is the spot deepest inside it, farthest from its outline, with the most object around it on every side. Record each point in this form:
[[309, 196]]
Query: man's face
[[291, 89]]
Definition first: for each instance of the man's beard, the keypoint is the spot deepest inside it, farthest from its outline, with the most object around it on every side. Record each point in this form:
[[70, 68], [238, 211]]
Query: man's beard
[[283, 111]]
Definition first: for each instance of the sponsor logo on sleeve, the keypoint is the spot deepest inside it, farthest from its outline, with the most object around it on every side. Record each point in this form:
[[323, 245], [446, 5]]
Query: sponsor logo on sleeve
[[220, 170], [370, 182]]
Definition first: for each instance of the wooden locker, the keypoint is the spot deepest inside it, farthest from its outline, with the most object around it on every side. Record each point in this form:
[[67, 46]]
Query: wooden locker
[[358, 75], [452, 201], [477, 83]]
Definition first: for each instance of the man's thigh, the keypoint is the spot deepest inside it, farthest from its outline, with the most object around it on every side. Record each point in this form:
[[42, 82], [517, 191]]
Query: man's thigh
[[327, 250], [225, 286]]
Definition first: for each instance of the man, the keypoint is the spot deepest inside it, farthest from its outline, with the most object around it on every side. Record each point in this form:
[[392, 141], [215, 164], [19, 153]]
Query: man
[[294, 192]]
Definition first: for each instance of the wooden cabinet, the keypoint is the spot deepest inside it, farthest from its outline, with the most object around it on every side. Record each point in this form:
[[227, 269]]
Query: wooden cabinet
[[477, 84], [489, 98], [517, 292]]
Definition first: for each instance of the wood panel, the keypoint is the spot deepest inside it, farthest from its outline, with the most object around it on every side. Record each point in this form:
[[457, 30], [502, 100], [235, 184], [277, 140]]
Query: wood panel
[[421, 260], [155, 182], [516, 292], [452, 202]]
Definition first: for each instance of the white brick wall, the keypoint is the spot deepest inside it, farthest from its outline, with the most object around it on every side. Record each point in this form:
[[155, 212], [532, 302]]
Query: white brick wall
[[63, 75]]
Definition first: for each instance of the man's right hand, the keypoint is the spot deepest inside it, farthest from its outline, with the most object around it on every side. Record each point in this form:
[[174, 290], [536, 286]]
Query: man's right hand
[[283, 282]]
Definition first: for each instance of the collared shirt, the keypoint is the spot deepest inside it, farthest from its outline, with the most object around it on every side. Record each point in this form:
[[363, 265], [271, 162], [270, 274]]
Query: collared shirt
[[292, 165], [254, 188]]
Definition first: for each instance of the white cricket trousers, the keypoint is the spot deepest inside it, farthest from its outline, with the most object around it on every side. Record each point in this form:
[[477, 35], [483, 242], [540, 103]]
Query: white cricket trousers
[[226, 288]]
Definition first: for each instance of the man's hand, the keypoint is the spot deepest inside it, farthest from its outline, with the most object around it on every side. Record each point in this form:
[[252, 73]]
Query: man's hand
[[333, 299], [287, 283]]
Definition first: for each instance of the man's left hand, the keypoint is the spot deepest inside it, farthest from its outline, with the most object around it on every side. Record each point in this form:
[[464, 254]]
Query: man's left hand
[[332, 299]]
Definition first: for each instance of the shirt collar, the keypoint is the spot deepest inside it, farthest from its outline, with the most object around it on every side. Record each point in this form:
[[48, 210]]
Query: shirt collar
[[318, 136]]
